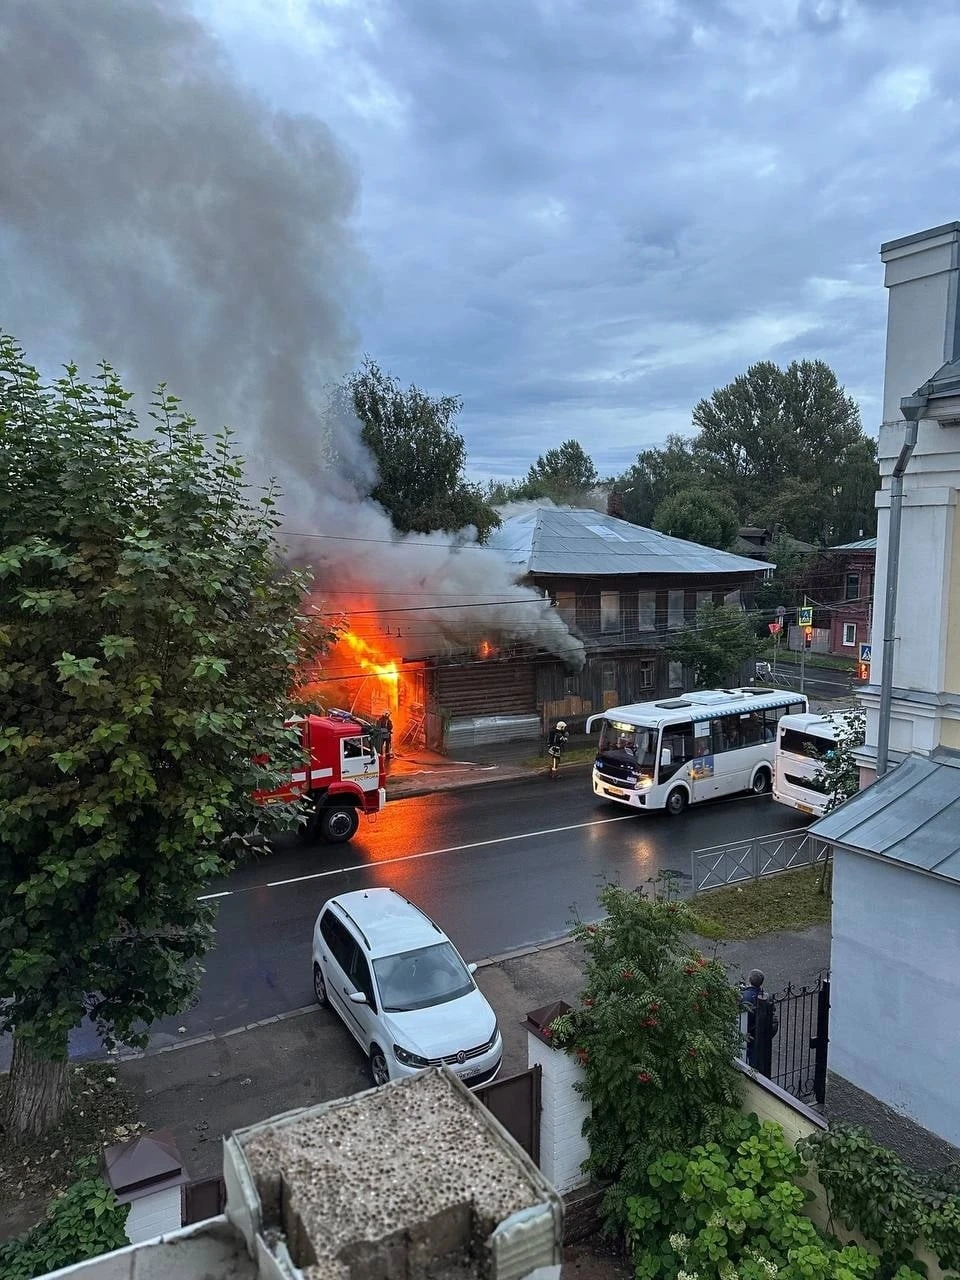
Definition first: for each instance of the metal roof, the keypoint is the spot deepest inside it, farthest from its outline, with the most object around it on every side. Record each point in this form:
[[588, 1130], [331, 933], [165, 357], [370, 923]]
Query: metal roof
[[911, 816], [861, 544], [566, 540]]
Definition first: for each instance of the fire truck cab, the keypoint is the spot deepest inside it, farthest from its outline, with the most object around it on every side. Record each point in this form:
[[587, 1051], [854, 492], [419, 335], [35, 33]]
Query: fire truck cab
[[344, 775]]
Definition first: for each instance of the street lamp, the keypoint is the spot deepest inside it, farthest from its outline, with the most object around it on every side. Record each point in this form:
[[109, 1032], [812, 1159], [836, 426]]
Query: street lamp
[[913, 409]]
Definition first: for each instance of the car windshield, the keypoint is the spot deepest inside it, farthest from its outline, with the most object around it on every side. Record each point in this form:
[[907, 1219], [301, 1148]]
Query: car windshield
[[419, 979], [626, 742]]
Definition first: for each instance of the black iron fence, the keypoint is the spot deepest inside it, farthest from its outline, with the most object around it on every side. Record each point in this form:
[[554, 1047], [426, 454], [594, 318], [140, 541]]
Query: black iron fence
[[788, 1037]]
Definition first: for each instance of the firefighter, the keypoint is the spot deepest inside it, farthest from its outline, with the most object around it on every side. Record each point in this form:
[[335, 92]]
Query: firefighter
[[556, 745], [385, 725]]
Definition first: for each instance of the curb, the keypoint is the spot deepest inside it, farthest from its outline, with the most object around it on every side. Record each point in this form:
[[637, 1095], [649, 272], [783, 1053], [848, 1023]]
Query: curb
[[134, 1055], [526, 775]]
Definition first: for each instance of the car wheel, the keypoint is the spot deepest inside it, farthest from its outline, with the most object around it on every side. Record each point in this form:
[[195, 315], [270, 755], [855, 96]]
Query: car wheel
[[379, 1071], [761, 782], [339, 823], [319, 986], [676, 802]]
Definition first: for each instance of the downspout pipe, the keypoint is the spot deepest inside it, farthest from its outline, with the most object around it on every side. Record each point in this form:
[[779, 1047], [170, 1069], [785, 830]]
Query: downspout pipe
[[912, 408]]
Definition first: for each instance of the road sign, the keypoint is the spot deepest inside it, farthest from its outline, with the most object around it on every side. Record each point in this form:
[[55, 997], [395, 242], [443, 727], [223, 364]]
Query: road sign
[[774, 628], [866, 653], [805, 616], [781, 612]]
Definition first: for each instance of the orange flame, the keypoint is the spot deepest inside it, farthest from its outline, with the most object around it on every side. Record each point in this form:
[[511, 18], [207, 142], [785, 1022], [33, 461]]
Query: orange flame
[[368, 659]]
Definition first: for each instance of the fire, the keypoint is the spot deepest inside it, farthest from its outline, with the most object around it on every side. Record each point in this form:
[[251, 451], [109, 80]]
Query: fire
[[368, 659]]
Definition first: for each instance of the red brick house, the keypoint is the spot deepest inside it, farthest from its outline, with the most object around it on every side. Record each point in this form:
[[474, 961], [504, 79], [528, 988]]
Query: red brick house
[[851, 598]]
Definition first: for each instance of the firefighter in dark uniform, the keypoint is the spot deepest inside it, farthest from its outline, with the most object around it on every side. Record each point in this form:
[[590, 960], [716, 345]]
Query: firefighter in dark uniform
[[556, 746]]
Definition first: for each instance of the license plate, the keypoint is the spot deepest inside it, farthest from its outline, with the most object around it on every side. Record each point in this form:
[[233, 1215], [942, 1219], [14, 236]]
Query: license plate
[[468, 1075], [612, 791], [804, 808]]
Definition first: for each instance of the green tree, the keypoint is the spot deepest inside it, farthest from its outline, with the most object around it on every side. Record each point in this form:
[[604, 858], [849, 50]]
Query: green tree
[[716, 646], [656, 474], [785, 586], [82, 1222], [420, 455], [150, 632], [562, 474], [839, 775], [788, 447], [699, 516]]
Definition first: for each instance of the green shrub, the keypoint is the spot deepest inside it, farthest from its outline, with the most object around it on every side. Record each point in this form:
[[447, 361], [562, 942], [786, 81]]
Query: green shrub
[[85, 1220]]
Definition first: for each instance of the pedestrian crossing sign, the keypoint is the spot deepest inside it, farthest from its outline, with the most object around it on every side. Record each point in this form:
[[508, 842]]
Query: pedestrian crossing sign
[[805, 617], [866, 651]]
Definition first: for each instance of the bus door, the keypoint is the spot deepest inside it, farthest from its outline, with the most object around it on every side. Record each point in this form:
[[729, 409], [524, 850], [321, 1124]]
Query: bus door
[[703, 773]]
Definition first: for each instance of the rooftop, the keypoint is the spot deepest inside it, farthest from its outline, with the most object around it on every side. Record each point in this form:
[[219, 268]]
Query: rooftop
[[860, 544], [571, 541], [388, 921], [911, 816]]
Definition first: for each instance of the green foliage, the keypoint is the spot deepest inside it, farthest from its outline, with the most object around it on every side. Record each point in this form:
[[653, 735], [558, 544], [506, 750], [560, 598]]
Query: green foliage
[[656, 1033], [84, 1221], [656, 474], [715, 646], [563, 475], [730, 1208], [786, 584], [420, 455], [839, 775], [150, 632], [699, 516], [874, 1191]]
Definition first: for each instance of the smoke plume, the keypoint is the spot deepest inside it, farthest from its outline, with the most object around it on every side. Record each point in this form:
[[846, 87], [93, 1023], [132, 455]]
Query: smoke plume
[[155, 212]]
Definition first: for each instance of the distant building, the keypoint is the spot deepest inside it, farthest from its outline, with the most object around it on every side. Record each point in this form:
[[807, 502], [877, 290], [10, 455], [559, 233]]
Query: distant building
[[623, 588], [851, 617]]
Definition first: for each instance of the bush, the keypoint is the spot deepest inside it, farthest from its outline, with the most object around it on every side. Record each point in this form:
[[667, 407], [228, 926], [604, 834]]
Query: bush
[[84, 1221], [732, 1208], [657, 1033]]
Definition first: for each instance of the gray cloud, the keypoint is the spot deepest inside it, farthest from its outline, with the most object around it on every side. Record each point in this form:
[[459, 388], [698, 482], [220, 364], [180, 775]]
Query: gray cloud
[[584, 217]]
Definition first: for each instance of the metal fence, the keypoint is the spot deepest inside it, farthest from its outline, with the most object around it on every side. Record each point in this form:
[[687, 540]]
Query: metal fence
[[788, 1038], [724, 864], [515, 1101]]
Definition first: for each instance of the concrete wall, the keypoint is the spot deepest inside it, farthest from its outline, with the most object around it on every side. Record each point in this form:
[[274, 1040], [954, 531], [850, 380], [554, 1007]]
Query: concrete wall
[[895, 1016], [563, 1148], [154, 1215]]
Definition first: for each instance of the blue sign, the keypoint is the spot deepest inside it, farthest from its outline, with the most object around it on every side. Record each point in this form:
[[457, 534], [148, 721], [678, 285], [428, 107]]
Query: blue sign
[[866, 651], [805, 617]]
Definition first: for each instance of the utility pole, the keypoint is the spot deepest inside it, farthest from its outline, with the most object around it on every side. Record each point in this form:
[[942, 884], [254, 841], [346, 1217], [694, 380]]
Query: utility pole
[[803, 648]]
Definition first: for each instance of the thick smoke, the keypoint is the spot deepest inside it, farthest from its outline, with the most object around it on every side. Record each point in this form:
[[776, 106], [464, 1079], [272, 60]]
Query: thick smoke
[[155, 212]]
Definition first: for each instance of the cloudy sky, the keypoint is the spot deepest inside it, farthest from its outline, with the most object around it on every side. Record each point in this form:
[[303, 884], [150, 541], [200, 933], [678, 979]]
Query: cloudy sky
[[583, 215]]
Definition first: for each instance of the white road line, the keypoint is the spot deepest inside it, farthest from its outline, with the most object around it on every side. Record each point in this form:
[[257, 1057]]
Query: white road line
[[413, 857]]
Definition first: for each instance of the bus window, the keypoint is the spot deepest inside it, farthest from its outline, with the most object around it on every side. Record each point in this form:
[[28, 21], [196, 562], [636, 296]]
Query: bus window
[[805, 744], [751, 729], [678, 740], [771, 718]]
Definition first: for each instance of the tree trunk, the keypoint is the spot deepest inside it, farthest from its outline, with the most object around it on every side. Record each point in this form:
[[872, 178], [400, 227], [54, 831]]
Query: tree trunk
[[38, 1092]]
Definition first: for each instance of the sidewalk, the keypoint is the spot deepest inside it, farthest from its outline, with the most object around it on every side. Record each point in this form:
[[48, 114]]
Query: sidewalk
[[204, 1090], [419, 771]]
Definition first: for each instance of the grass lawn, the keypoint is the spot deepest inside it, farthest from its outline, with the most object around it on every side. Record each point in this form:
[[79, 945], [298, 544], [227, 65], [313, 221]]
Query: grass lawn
[[789, 900]]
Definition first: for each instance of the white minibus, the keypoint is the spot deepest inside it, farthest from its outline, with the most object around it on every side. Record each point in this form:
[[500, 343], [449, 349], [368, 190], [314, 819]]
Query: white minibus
[[804, 743]]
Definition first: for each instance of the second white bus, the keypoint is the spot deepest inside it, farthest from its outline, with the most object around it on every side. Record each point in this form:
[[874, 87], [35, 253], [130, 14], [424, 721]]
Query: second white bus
[[679, 751], [804, 743]]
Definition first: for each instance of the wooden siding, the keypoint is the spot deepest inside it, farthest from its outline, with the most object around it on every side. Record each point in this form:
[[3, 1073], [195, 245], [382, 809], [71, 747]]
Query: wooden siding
[[487, 688]]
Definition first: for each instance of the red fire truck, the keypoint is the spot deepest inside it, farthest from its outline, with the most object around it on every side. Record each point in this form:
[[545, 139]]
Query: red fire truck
[[344, 775]]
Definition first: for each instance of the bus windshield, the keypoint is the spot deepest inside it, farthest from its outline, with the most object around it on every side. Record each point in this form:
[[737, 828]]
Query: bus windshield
[[630, 745], [806, 745]]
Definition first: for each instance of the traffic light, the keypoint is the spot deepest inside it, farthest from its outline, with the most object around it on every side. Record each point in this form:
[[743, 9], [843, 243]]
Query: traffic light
[[807, 637], [863, 672]]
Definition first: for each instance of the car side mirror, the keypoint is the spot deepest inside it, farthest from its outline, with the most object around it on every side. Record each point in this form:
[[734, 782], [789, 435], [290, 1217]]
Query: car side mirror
[[357, 997], [665, 758], [472, 968]]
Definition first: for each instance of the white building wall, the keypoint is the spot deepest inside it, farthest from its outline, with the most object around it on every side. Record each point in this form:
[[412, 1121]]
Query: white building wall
[[154, 1215], [563, 1148], [894, 996]]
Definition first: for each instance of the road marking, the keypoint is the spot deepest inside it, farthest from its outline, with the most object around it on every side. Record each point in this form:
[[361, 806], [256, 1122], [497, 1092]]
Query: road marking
[[414, 857]]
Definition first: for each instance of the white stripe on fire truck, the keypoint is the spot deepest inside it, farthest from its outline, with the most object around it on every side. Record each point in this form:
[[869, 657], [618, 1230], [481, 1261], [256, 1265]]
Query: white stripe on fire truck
[[298, 777], [320, 773]]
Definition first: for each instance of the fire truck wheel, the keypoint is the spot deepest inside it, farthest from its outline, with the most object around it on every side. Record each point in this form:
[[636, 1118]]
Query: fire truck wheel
[[339, 823]]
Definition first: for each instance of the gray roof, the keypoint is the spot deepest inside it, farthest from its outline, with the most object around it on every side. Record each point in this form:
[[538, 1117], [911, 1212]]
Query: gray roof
[[945, 382], [911, 816], [565, 540], [861, 544]]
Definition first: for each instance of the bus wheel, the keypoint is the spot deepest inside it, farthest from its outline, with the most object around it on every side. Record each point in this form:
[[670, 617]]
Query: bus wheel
[[676, 803], [761, 782], [339, 823]]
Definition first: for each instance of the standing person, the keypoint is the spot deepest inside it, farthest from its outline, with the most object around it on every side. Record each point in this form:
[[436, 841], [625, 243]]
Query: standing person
[[385, 724], [556, 746], [749, 996]]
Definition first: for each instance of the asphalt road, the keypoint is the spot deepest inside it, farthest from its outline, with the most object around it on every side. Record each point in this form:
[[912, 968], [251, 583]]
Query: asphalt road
[[499, 866], [818, 682]]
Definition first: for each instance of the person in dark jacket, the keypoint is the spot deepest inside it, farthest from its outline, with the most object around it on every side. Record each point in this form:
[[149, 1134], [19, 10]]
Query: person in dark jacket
[[749, 996], [556, 746], [385, 725]]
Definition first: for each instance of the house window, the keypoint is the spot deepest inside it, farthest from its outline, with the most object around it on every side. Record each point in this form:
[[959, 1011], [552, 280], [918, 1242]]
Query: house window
[[647, 611], [850, 633], [646, 673], [733, 599], [851, 588], [704, 597], [567, 606], [674, 611], [675, 675], [609, 611]]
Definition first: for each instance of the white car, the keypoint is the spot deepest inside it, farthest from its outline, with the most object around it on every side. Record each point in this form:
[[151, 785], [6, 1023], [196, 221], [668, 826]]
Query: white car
[[402, 989]]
